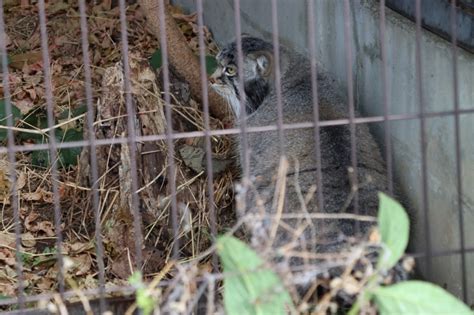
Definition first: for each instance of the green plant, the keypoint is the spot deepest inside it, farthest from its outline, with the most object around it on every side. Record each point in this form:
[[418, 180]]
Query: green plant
[[409, 297], [16, 114], [251, 288], [144, 300], [29, 127]]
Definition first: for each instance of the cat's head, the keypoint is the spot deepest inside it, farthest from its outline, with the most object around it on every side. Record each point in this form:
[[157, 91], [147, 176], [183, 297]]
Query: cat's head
[[257, 73]]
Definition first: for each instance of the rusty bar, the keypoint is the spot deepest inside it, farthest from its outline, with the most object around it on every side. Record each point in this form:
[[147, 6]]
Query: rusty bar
[[220, 276], [243, 114], [315, 100], [53, 157], [419, 83], [457, 134], [233, 131], [314, 86], [169, 129], [350, 97], [12, 161], [386, 101], [131, 137], [93, 154], [276, 63], [207, 137]]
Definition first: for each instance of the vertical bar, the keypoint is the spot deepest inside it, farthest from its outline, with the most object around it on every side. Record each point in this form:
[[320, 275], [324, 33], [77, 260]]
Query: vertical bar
[[350, 96], [419, 84], [314, 86], [52, 141], [276, 56], [315, 97], [12, 161], [211, 292], [93, 154], [207, 138], [458, 149], [169, 129], [386, 104], [131, 136], [243, 113]]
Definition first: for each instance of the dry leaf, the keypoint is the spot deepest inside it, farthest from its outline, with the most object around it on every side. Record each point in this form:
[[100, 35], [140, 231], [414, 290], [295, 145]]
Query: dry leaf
[[29, 58], [47, 196], [82, 264], [7, 257], [121, 266], [350, 286], [7, 273], [77, 248], [7, 288], [374, 236], [43, 226], [32, 196], [28, 240], [24, 105], [32, 216], [46, 227], [7, 239], [45, 284], [21, 181]]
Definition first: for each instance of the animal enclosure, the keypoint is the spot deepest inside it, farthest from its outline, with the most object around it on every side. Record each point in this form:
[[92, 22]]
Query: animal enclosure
[[118, 156]]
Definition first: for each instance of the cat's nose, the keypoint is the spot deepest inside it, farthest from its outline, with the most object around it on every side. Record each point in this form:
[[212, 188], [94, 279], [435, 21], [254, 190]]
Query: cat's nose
[[214, 78]]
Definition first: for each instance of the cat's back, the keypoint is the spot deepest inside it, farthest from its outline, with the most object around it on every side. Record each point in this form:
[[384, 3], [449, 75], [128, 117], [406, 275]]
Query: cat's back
[[299, 144]]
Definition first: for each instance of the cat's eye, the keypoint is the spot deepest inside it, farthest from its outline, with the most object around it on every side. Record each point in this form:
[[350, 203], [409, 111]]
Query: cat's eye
[[231, 70]]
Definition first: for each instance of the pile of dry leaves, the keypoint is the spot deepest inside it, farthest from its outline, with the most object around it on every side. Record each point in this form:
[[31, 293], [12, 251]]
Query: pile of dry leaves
[[26, 77]]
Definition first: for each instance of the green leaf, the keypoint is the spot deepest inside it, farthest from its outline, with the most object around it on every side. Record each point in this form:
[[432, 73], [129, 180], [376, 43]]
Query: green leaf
[[145, 302], [135, 279], [40, 158], [34, 119], [16, 114], [249, 287], [394, 229], [156, 60], [211, 64], [417, 297], [69, 156]]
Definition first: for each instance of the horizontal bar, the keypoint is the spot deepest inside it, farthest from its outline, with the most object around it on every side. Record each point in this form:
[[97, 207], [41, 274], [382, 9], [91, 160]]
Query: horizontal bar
[[131, 289], [233, 131]]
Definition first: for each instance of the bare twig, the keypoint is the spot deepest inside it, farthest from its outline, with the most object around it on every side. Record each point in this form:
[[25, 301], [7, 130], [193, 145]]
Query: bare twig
[[181, 57]]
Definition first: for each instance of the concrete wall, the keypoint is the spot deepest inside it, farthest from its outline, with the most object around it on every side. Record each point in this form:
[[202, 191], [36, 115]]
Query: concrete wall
[[405, 135]]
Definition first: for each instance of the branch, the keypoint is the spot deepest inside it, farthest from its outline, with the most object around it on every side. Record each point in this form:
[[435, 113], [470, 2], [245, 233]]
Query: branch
[[181, 57]]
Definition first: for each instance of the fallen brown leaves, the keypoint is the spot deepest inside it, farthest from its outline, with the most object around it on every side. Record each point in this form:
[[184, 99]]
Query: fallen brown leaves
[[37, 245]]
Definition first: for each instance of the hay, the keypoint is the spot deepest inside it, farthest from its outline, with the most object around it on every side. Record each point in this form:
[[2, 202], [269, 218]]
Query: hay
[[35, 186], [178, 285]]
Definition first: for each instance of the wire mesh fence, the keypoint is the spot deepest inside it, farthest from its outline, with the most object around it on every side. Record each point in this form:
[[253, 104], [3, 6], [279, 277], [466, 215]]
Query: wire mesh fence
[[151, 182]]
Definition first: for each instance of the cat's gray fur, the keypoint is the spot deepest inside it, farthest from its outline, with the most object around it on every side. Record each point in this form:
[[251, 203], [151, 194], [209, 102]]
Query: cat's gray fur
[[299, 144]]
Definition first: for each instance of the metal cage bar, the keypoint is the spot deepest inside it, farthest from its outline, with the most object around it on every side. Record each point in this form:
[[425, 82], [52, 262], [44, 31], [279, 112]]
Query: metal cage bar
[[52, 145], [242, 130]]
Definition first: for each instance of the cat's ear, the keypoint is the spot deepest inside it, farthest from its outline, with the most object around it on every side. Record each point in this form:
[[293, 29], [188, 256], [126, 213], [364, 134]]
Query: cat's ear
[[264, 62]]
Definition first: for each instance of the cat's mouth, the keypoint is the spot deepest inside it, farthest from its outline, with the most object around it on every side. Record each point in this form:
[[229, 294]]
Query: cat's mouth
[[229, 95], [222, 89]]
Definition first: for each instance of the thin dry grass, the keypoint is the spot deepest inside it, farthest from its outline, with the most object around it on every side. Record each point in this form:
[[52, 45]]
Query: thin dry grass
[[336, 278]]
